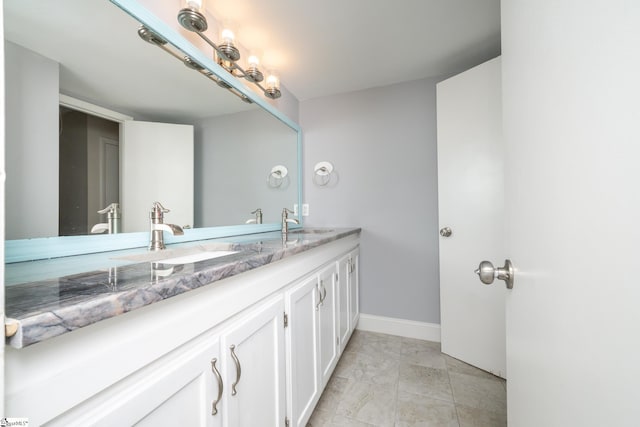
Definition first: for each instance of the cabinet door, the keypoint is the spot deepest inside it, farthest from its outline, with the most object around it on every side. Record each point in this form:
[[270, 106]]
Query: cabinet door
[[354, 289], [179, 389], [344, 318], [327, 320], [254, 368], [303, 385]]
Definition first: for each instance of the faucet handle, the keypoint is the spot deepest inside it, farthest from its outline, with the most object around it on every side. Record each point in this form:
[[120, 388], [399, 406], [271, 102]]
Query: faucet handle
[[112, 208], [257, 211], [157, 206]]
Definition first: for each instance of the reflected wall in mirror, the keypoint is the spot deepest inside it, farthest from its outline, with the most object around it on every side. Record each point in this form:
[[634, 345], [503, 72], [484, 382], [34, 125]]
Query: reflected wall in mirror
[[90, 50]]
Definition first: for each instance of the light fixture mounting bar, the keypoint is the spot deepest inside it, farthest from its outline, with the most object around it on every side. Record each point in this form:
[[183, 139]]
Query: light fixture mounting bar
[[151, 37], [233, 64]]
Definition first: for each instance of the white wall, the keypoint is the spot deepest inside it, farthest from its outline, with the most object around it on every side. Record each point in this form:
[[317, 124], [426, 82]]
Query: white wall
[[31, 143], [233, 155], [382, 142]]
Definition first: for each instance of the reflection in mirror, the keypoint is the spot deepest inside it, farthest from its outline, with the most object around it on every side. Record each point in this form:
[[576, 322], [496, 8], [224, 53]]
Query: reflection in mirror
[[90, 50]]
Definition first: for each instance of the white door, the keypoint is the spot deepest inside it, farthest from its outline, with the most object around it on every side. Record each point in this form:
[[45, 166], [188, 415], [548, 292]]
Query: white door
[[571, 92], [470, 200], [156, 162]]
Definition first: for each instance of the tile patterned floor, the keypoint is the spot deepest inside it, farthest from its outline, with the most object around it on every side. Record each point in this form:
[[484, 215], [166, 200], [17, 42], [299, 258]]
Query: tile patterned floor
[[389, 381]]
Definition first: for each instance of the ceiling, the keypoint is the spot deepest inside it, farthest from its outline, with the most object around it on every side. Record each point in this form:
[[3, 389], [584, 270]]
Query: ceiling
[[332, 46], [318, 48]]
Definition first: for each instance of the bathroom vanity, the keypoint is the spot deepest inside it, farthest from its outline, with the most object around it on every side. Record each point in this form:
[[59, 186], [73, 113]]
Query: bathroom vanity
[[247, 338]]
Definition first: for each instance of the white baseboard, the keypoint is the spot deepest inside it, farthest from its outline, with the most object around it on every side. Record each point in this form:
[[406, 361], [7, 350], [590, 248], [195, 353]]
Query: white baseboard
[[399, 327]]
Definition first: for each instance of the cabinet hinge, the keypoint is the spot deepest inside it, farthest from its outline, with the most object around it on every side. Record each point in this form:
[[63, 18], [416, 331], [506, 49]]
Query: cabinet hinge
[[286, 422], [286, 320]]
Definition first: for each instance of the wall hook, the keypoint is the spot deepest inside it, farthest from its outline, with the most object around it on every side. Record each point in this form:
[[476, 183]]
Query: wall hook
[[322, 173]]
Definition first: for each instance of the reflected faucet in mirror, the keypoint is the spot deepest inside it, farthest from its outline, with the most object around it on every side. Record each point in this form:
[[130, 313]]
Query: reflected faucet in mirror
[[112, 226], [257, 219], [158, 226]]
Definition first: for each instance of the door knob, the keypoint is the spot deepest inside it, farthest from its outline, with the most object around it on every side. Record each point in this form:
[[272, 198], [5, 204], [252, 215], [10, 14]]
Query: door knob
[[445, 232], [488, 273]]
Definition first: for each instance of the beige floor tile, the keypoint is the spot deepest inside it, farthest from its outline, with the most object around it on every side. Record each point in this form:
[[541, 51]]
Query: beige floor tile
[[474, 417], [383, 380], [367, 367], [332, 394], [422, 353], [414, 410], [425, 381], [458, 366], [327, 419], [380, 345], [369, 404], [487, 394]]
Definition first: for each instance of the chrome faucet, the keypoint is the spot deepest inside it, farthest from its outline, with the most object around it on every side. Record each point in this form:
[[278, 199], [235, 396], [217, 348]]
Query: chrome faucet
[[158, 227], [112, 226], [286, 220], [257, 219]]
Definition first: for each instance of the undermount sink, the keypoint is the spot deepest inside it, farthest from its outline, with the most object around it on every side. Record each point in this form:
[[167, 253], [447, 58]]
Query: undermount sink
[[183, 255], [312, 230], [200, 256]]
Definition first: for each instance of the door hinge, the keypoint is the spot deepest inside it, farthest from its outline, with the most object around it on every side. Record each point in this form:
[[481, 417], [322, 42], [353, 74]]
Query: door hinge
[[286, 422], [286, 320]]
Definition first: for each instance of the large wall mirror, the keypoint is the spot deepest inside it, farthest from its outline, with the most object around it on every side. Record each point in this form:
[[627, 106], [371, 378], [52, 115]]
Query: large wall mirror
[[65, 162]]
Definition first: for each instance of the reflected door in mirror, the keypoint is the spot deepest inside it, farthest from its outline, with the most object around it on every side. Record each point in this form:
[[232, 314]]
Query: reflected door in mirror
[[157, 165]]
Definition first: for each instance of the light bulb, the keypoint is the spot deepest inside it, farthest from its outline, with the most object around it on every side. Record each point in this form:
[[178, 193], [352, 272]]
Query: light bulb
[[253, 73], [273, 82], [194, 4], [227, 36], [253, 61]]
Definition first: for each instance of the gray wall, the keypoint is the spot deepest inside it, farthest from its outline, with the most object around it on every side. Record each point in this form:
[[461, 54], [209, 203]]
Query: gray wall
[[31, 143], [233, 156], [382, 143]]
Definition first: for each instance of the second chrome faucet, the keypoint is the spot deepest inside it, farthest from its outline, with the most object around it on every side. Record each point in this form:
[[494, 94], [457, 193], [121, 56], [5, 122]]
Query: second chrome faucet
[[286, 220], [156, 216]]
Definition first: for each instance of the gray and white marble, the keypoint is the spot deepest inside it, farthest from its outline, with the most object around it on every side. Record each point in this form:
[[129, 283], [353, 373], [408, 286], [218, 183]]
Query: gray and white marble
[[52, 307]]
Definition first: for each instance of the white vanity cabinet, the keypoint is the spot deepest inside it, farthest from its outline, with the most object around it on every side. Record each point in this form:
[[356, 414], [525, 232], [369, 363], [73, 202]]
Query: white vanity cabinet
[[323, 311], [348, 294], [181, 388], [232, 376], [256, 349]]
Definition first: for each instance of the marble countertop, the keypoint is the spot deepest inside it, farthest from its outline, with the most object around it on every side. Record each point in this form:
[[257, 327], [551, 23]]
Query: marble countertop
[[55, 304]]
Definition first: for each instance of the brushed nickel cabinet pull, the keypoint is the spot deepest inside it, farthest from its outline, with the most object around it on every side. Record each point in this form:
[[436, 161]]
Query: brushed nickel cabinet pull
[[319, 297], [238, 370], [214, 409]]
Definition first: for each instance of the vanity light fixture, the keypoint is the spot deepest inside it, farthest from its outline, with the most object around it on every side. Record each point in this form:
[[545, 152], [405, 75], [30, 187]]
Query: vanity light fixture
[[192, 18]]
